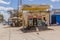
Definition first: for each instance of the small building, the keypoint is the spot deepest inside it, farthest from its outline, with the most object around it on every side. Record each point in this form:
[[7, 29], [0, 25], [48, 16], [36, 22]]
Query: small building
[[55, 17], [33, 13]]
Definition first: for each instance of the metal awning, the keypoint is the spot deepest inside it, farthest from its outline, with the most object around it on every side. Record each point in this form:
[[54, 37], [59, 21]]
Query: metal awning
[[35, 7]]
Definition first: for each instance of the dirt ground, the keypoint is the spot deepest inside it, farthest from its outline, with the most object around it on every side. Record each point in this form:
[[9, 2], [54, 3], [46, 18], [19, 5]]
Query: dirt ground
[[14, 33]]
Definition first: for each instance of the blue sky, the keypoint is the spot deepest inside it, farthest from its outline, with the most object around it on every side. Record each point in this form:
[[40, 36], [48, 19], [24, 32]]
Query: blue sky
[[13, 4]]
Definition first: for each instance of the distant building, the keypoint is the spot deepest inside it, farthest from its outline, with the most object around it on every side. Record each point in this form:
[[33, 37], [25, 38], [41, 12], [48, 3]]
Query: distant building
[[55, 17]]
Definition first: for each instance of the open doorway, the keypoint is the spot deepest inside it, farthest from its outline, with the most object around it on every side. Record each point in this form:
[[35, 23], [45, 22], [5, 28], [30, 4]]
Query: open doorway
[[53, 19]]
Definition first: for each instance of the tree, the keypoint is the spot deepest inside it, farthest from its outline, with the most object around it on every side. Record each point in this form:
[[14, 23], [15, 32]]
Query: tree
[[13, 13], [1, 17]]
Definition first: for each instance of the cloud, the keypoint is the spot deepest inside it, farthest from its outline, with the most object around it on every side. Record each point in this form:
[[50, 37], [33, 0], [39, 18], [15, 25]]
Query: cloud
[[55, 0], [51, 6], [3, 11], [6, 8], [3, 2]]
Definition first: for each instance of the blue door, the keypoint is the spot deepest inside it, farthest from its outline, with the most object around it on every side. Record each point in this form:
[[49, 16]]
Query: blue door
[[58, 19], [53, 19]]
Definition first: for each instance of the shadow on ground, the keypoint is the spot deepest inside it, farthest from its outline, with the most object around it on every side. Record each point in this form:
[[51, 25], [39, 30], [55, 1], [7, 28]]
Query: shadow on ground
[[26, 30]]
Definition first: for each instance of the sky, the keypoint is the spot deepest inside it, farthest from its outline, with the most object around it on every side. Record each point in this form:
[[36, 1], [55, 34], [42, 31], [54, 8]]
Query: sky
[[13, 4]]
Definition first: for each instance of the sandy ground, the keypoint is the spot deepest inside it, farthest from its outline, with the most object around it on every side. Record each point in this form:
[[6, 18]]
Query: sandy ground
[[7, 33]]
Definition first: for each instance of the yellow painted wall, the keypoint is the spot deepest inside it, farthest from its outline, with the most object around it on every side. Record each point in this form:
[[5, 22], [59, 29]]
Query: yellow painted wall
[[43, 14]]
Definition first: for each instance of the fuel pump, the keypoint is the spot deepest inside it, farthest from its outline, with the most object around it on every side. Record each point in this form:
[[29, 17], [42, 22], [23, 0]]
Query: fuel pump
[[30, 21], [39, 21]]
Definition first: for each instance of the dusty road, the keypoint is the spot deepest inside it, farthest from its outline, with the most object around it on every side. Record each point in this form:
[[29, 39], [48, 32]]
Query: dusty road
[[16, 34]]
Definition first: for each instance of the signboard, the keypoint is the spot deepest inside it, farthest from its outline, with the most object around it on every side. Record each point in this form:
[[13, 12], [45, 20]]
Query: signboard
[[29, 16], [39, 17]]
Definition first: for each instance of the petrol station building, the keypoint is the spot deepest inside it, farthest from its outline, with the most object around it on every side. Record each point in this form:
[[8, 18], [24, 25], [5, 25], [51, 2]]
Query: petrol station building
[[34, 13]]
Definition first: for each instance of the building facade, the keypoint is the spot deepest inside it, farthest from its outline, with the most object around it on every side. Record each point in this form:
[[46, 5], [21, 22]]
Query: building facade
[[55, 17], [34, 13]]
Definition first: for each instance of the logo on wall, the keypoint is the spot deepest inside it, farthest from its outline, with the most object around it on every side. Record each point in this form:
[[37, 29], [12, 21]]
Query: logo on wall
[[39, 16], [29, 16]]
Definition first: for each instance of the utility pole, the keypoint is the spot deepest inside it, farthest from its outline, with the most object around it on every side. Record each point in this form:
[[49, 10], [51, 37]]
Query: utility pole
[[18, 6], [22, 14]]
